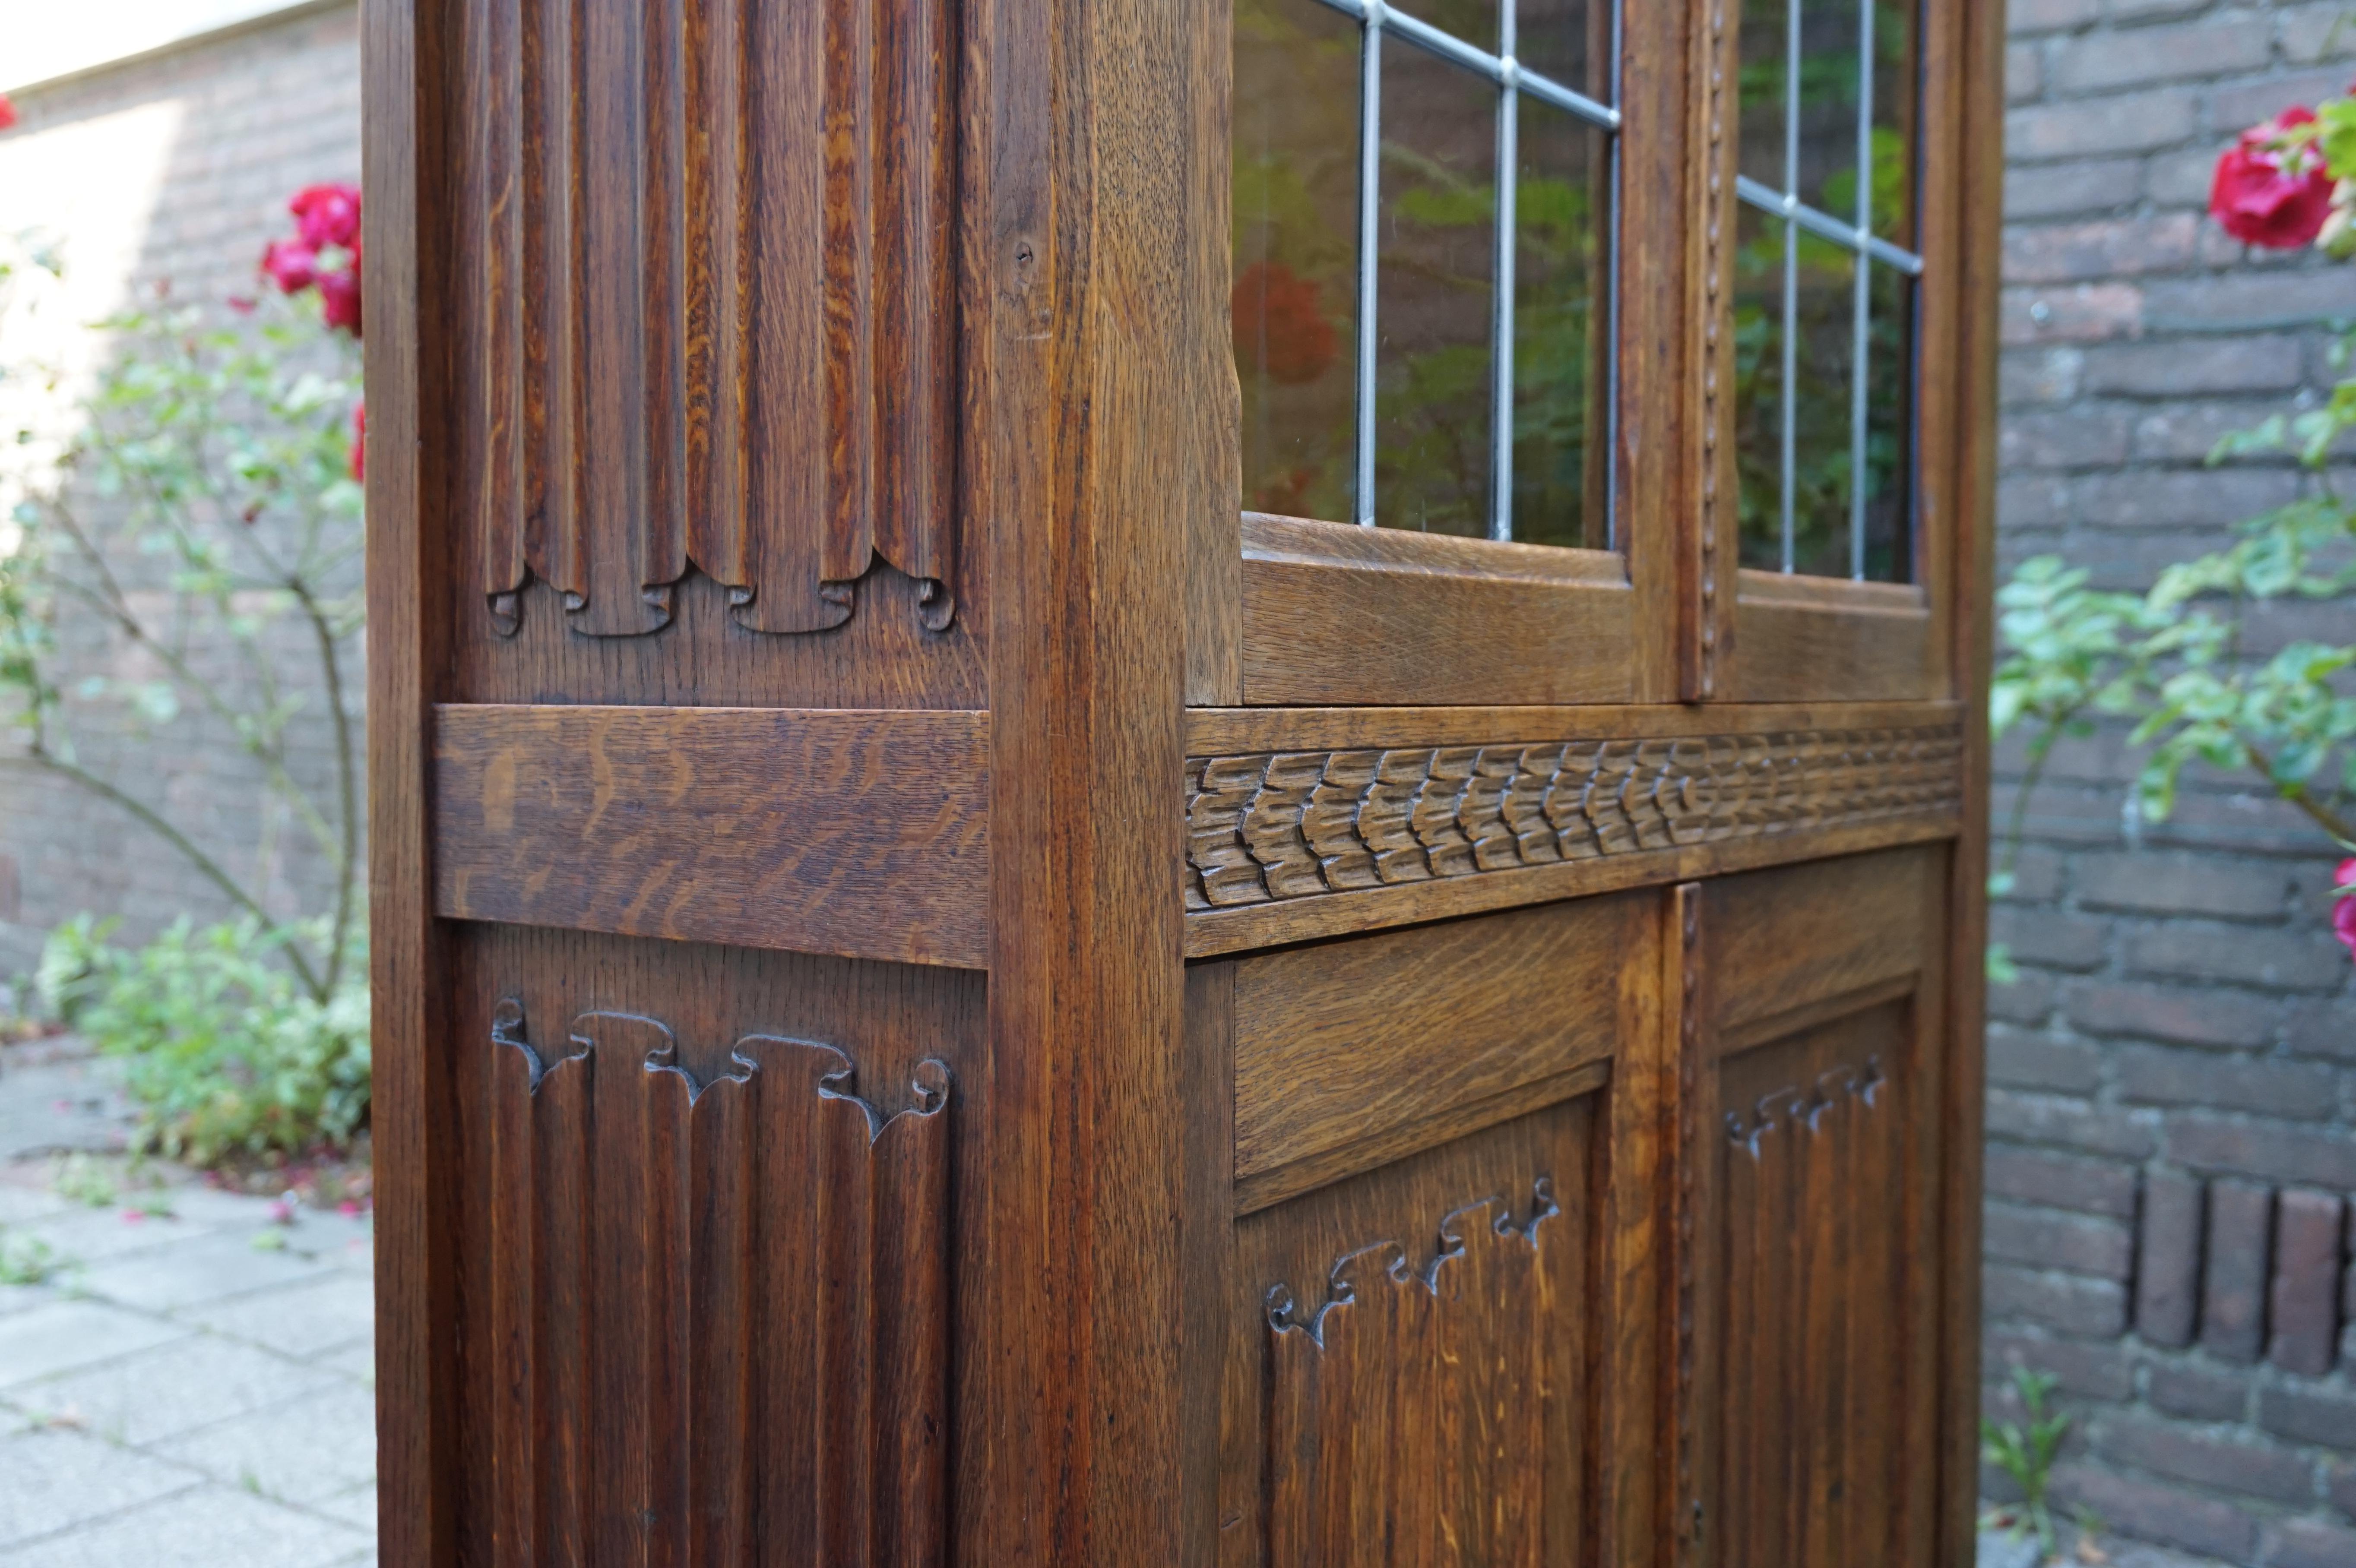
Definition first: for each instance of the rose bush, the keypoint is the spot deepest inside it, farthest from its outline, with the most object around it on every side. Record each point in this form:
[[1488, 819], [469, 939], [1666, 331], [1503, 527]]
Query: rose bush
[[2171, 658], [196, 551]]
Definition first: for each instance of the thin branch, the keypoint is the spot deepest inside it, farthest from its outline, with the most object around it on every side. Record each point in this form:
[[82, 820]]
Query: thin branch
[[205, 864], [348, 786], [2322, 815]]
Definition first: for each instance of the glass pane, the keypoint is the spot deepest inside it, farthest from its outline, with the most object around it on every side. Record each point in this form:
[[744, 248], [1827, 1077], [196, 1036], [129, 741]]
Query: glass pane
[[1569, 41], [1562, 215], [1829, 79], [1823, 408], [1473, 21], [1437, 265], [1765, 54], [1889, 429], [1759, 385], [1896, 93], [1296, 224]]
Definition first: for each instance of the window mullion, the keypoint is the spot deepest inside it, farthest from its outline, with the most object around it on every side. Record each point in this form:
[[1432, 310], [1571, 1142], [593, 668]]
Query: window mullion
[[1791, 345], [1500, 354], [1860, 401], [1370, 165]]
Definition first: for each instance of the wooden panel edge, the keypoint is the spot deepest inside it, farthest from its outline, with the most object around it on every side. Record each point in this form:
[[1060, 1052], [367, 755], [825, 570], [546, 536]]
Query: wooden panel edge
[[1759, 1032], [1265, 1188], [1215, 731]]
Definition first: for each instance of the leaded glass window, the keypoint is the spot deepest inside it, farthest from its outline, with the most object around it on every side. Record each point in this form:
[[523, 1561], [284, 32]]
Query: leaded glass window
[[1423, 253], [1825, 270]]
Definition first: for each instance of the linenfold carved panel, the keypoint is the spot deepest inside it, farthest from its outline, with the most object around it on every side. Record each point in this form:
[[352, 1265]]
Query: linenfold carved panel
[[718, 1309], [706, 251], [1407, 1414], [1296, 825], [1820, 1321]]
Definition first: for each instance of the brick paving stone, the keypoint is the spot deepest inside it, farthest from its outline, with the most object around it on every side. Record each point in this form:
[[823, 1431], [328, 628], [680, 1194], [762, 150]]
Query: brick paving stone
[[175, 1388], [2233, 1295], [208, 1527], [328, 1312], [89, 1236], [356, 1508], [2167, 1282], [302, 1452], [202, 1269], [53, 1479], [66, 1334], [2303, 1302]]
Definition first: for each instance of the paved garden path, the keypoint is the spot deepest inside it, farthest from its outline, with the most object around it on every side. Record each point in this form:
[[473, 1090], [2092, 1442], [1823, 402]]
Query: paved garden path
[[190, 1389]]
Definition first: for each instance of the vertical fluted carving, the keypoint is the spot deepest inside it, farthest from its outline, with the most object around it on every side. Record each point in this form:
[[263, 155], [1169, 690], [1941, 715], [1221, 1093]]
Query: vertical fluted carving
[[719, 1309], [1407, 1414], [707, 303]]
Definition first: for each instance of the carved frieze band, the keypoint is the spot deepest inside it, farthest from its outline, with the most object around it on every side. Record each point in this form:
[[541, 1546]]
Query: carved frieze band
[[1277, 826], [706, 304], [719, 1308], [1441, 1373]]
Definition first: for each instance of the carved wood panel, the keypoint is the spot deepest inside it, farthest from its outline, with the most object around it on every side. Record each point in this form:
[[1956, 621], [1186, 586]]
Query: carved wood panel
[[1410, 1374], [1286, 825], [1821, 1318], [718, 1302], [1406, 1373], [707, 289]]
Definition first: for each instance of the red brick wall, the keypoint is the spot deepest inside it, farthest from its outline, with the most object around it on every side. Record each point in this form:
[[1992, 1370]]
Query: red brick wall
[[2172, 1097]]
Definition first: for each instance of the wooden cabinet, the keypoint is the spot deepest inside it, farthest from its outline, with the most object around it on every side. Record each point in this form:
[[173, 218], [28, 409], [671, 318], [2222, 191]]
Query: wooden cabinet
[[1178, 783]]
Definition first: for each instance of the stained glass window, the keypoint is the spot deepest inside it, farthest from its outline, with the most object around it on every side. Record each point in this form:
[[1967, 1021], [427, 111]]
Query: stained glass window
[[1824, 298], [1423, 254]]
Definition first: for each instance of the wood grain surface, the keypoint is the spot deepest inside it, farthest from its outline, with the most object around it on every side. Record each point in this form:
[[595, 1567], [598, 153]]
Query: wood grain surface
[[1353, 1054], [859, 834], [1343, 614], [1306, 1441]]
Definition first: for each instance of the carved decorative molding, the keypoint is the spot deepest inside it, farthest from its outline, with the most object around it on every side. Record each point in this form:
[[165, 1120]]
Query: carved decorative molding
[[1277, 826], [718, 1315], [1717, 212], [1443, 1372], [707, 304]]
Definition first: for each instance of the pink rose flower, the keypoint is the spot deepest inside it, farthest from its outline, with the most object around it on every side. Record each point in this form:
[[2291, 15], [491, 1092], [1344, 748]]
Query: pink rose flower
[[327, 214], [292, 265], [2268, 194], [339, 293], [359, 443], [7, 113]]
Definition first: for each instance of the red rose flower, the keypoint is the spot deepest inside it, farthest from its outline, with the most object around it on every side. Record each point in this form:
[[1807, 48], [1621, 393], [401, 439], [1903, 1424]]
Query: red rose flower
[[1279, 328], [2343, 908], [327, 214], [339, 294], [359, 443], [2268, 193], [7, 113], [292, 265]]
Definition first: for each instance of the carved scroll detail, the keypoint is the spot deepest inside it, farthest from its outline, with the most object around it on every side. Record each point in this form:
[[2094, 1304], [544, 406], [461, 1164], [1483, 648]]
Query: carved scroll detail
[[705, 307], [718, 1307], [1440, 1373], [1803, 1107], [1300, 823]]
